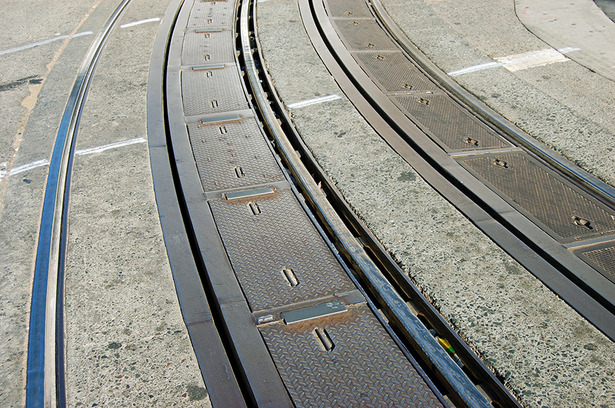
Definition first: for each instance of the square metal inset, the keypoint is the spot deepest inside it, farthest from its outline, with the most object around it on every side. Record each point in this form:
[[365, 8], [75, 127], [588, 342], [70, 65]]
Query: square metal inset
[[346, 360], [363, 34], [393, 72], [267, 236], [232, 155], [215, 90], [348, 8], [543, 197], [601, 258], [208, 46]]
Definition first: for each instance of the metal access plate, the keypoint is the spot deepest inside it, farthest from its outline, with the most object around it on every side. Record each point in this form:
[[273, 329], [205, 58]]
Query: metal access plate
[[215, 90], [447, 123], [232, 155], [393, 72], [220, 14], [363, 34], [348, 8], [269, 239], [208, 46], [542, 196], [602, 259], [346, 360]]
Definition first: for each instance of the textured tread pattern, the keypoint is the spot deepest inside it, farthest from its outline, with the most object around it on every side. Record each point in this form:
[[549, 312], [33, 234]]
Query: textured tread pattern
[[281, 236], [364, 368], [348, 8], [212, 91], [211, 47], [232, 155], [604, 260], [543, 196], [447, 123], [209, 14], [393, 72], [363, 35]]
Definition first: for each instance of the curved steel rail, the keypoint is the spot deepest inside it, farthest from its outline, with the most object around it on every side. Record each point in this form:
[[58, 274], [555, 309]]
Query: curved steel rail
[[566, 274], [45, 375]]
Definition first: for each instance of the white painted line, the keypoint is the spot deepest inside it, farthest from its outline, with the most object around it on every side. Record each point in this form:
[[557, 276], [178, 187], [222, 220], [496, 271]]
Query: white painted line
[[23, 168], [83, 152], [314, 101], [109, 146], [47, 41], [475, 68], [134, 23], [518, 62]]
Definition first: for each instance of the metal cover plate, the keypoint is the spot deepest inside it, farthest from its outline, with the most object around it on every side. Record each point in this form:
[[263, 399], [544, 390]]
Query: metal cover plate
[[232, 155], [392, 71], [260, 247], [212, 91], [447, 123], [365, 368], [208, 47], [348, 8], [362, 34], [219, 14], [542, 196], [602, 259]]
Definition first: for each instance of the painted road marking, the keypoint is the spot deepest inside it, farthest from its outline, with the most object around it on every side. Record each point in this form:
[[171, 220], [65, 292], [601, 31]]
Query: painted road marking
[[44, 162], [135, 23], [518, 62], [43, 42], [109, 146], [314, 101]]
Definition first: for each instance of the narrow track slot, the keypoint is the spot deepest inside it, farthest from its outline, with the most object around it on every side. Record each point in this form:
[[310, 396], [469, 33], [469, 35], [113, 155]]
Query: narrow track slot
[[324, 339]]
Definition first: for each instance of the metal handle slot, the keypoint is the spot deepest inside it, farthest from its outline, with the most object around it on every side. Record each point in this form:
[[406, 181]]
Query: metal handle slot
[[254, 208], [290, 276], [207, 57], [214, 103], [222, 129], [239, 172], [324, 339]]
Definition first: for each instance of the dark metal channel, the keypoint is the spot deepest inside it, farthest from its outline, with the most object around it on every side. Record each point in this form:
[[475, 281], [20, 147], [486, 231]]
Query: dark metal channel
[[584, 288], [218, 373], [393, 306]]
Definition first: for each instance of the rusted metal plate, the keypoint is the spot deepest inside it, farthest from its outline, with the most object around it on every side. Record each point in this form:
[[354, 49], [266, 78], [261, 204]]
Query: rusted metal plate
[[215, 90], [346, 360], [232, 155], [447, 123], [348, 8], [602, 258], [559, 208], [363, 34], [393, 72], [277, 254], [220, 14], [208, 46]]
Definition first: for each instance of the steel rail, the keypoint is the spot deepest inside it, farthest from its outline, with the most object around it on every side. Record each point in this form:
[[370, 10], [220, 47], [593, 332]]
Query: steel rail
[[348, 233], [563, 272], [45, 366], [215, 366], [573, 172]]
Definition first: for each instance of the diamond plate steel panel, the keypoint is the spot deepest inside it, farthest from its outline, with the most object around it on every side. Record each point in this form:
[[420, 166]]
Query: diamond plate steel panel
[[208, 47], [221, 149], [281, 236], [219, 14], [212, 91], [365, 368], [361, 34], [393, 72], [348, 8], [603, 259], [542, 196], [450, 125]]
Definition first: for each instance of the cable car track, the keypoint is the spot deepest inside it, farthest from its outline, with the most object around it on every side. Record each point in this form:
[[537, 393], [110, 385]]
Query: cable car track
[[555, 258]]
